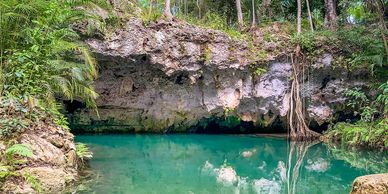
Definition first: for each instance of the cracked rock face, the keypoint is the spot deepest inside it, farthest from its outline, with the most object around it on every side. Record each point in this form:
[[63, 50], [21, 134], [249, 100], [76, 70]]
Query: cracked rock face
[[172, 75]]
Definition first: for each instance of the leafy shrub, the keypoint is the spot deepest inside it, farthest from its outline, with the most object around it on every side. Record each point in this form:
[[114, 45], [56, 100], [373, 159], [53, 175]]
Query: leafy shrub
[[306, 41], [360, 103], [364, 47], [383, 97], [8, 126], [42, 57], [362, 134], [9, 159], [83, 152]]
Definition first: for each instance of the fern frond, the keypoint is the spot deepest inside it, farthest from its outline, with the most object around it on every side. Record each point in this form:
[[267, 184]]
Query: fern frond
[[20, 149]]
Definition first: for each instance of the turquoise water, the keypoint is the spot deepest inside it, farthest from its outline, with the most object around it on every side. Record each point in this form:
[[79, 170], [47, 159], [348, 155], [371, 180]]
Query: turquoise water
[[222, 164]]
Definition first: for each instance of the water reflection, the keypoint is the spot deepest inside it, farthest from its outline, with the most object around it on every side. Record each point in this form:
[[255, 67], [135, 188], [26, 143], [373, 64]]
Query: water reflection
[[297, 153], [219, 164]]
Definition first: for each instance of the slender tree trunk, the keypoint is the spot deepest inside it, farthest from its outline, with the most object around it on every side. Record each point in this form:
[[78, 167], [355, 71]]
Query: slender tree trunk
[[253, 14], [199, 10], [167, 10], [239, 15], [310, 17], [382, 25], [267, 9], [150, 9], [299, 17], [330, 15]]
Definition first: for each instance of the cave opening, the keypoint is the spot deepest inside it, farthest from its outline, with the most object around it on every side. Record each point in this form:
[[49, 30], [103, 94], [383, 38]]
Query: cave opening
[[212, 125]]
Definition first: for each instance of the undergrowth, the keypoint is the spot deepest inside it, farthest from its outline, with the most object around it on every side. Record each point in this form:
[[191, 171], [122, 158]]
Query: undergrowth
[[373, 134]]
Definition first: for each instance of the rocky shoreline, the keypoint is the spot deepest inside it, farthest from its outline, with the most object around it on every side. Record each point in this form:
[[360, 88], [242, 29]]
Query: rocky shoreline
[[54, 164], [370, 184]]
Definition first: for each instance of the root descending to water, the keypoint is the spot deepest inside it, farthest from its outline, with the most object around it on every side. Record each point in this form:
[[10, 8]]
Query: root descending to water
[[301, 149], [299, 130]]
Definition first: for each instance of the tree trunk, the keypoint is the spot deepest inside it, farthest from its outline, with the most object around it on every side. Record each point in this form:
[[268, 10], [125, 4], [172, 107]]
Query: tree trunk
[[299, 17], [253, 14], [167, 10], [266, 8], [310, 17], [330, 15], [296, 117], [382, 25], [199, 10], [239, 15]]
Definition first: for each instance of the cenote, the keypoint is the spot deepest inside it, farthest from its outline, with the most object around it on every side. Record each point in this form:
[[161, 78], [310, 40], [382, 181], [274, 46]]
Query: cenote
[[199, 163]]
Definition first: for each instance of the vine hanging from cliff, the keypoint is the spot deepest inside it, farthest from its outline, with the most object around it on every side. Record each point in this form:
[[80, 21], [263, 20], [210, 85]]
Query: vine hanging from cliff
[[296, 116]]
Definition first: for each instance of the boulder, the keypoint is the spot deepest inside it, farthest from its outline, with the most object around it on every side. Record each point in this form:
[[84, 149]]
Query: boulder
[[370, 184]]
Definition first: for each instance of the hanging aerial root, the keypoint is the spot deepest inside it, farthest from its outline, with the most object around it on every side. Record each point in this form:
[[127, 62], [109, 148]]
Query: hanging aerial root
[[299, 131]]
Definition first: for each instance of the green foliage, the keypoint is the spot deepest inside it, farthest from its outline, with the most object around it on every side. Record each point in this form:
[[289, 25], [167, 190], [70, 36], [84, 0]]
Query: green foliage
[[230, 122], [369, 131], [83, 151], [357, 98], [10, 159], [360, 103], [318, 18], [372, 160], [259, 71], [228, 111], [34, 182], [9, 126], [362, 133], [42, 57], [382, 98], [364, 46], [207, 56], [6, 171], [23, 150], [213, 21], [148, 15], [307, 41]]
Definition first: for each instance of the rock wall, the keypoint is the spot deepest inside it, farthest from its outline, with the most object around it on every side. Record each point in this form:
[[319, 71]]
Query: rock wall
[[171, 76], [54, 161]]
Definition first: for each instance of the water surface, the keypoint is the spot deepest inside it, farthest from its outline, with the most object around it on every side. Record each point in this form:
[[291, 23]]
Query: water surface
[[223, 164]]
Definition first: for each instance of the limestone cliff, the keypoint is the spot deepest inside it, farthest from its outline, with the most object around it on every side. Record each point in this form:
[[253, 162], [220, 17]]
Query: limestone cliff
[[171, 76]]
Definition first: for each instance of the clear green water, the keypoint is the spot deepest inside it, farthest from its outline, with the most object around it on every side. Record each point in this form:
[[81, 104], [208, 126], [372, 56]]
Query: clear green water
[[207, 163]]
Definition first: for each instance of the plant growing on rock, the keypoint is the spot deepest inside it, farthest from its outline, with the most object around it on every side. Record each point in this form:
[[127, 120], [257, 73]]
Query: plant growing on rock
[[12, 157], [83, 153], [372, 129]]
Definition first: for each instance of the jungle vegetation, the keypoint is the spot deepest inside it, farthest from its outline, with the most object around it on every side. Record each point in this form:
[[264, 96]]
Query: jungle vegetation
[[43, 59]]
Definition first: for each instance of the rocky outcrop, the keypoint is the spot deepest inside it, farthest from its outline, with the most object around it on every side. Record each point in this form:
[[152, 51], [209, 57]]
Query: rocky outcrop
[[170, 76], [370, 184], [52, 163]]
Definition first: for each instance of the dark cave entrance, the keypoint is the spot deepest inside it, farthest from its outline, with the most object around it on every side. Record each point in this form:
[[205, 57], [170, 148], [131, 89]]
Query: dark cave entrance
[[212, 125]]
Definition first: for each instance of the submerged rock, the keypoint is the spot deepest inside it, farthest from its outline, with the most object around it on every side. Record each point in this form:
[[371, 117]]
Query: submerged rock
[[370, 184], [248, 153], [227, 176], [319, 165], [265, 186]]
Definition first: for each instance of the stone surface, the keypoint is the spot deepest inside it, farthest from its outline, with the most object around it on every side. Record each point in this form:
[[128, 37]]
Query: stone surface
[[171, 75], [10, 187], [53, 163], [53, 180], [371, 184]]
